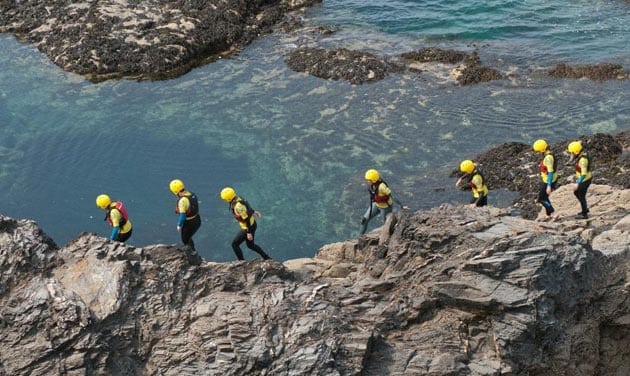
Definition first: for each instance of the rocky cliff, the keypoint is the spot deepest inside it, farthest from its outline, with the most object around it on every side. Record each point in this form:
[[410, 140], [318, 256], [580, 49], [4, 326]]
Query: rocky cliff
[[452, 291]]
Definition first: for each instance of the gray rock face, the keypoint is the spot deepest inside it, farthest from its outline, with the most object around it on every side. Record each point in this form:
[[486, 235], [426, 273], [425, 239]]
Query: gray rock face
[[453, 291], [146, 39]]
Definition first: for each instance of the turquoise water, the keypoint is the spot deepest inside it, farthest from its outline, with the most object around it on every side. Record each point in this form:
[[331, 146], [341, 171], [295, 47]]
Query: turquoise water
[[296, 146]]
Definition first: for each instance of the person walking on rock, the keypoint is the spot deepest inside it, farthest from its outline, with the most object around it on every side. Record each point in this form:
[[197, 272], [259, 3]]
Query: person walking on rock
[[187, 207], [548, 177], [381, 199], [583, 175], [246, 218], [116, 215], [475, 180]]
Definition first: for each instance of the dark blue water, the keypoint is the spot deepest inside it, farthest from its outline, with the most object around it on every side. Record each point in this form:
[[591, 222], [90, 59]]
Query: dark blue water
[[296, 146]]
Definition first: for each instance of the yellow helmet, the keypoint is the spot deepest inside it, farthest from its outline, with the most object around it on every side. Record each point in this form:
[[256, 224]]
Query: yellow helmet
[[176, 186], [103, 201], [540, 146], [227, 194], [575, 147], [467, 166], [372, 175]]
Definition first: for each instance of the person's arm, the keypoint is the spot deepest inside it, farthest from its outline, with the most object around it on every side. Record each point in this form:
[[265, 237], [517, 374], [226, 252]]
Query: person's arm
[[115, 216], [114, 234], [182, 208], [384, 190], [583, 163], [548, 161], [477, 182]]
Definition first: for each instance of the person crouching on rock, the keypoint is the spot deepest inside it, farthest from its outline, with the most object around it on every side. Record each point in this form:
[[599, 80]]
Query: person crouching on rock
[[583, 175], [381, 200], [116, 215], [475, 180], [548, 177], [246, 218]]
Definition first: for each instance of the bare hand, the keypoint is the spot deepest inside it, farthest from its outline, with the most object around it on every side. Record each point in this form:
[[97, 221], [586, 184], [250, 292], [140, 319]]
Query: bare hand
[[257, 214], [575, 187], [548, 190], [179, 228], [250, 236], [472, 206], [405, 207]]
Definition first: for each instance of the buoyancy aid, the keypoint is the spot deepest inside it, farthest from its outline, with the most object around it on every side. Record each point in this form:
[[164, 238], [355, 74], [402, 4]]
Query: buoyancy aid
[[193, 205], [250, 212], [578, 169], [477, 191], [118, 205], [374, 194], [544, 170]]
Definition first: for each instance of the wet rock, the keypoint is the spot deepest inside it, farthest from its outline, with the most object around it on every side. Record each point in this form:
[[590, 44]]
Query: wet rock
[[145, 40], [434, 54], [598, 72], [469, 72], [354, 66]]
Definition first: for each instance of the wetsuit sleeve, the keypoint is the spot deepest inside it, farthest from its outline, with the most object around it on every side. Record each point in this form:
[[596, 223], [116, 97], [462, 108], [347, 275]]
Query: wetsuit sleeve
[[182, 208], [115, 216], [548, 162]]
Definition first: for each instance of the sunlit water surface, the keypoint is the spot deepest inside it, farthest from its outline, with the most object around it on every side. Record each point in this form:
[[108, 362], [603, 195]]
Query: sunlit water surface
[[297, 146]]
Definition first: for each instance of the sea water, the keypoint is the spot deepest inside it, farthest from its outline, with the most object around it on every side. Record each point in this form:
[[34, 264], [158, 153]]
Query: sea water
[[295, 146]]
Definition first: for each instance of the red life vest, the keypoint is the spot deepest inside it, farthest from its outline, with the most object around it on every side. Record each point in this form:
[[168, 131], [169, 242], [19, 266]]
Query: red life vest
[[118, 205], [543, 168], [381, 199], [578, 169]]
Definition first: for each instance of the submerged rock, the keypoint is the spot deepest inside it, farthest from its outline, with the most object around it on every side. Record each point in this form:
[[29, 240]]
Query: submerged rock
[[453, 290], [598, 72], [354, 66]]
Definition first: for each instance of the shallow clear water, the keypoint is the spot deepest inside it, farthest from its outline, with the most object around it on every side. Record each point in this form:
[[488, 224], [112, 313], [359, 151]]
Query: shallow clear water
[[296, 146]]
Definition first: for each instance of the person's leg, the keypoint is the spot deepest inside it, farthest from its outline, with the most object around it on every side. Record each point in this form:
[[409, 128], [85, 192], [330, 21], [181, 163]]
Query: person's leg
[[240, 237], [580, 193], [386, 211], [189, 229], [483, 201], [543, 198], [370, 213], [253, 246], [123, 237]]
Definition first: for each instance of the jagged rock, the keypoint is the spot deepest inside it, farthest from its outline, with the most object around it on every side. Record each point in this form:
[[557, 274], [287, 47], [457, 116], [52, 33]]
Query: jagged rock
[[453, 291]]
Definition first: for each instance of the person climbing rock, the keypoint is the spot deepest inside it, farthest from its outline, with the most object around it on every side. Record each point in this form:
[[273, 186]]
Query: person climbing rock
[[246, 218], [583, 175], [475, 181], [187, 207], [548, 176], [381, 199], [116, 215]]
